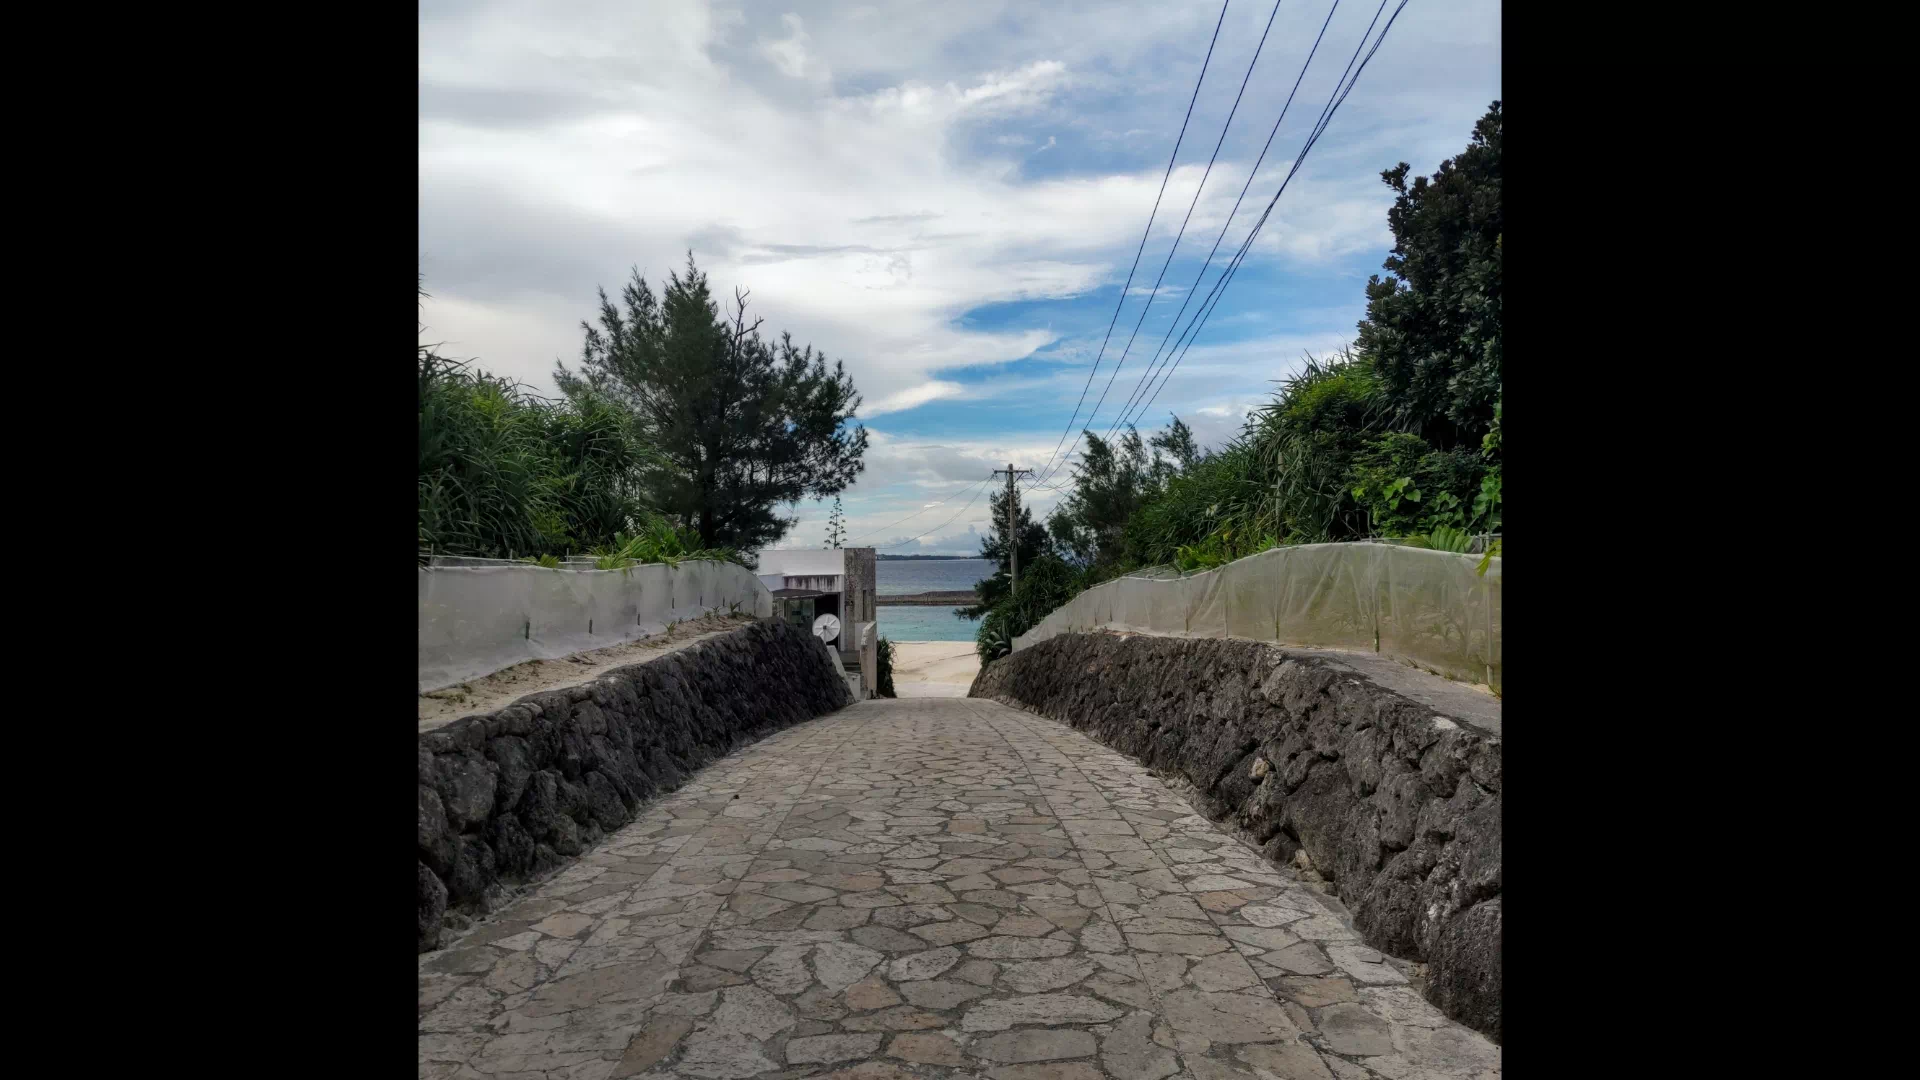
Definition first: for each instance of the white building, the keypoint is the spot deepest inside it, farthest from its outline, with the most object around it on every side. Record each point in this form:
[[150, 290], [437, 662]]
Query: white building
[[830, 591]]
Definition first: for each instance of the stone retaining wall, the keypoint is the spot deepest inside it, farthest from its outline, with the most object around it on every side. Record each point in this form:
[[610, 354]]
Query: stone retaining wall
[[1389, 785], [507, 796]]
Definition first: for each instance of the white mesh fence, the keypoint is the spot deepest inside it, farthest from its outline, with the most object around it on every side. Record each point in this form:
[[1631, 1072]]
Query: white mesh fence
[[1432, 607], [477, 619]]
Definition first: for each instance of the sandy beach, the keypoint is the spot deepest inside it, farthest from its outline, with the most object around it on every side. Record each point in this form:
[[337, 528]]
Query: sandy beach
[[934, 668]]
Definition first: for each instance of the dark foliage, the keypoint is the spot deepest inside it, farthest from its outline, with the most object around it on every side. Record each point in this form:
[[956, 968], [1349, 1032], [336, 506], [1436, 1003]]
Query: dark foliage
[[740, 426], [883, 677], [1034, 542], [1432, 330], [1049, 583]]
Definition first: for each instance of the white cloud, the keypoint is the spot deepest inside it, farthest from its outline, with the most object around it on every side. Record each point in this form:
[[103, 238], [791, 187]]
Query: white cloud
[[875, 173], [789, 54], [850, 216], [911, 397]]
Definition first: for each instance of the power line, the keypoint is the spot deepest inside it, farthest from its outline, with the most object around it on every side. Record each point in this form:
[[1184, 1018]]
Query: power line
[[1326, 117], [944, 524], [1143, 236], [1154, 293], [1033, 482], [911, 516], [1212, 302], [1146, 378]]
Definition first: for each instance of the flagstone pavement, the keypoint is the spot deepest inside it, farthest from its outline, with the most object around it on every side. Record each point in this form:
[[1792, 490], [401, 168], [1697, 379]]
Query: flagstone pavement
[[932, 888]]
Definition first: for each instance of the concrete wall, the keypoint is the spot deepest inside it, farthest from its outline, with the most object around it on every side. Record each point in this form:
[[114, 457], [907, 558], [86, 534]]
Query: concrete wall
[[862, 589], [1383, 780], [1432, 607], [509, 796], [800, 561], [477, 620]]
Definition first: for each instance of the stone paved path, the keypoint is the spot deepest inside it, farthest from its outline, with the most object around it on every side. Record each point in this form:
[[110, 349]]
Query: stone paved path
[[927, 888]]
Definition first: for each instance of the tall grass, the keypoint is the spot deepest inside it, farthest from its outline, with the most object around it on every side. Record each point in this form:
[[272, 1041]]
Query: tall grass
[[505, 474], [1305, 440]]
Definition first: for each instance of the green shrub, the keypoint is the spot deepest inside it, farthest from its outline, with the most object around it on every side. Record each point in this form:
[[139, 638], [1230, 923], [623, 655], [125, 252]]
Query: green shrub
[[1044, 586], [883, 677], [1212, 500]]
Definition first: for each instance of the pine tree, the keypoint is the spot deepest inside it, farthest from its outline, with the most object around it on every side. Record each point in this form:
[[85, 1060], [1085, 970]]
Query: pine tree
[[740, 426], [836, 526]]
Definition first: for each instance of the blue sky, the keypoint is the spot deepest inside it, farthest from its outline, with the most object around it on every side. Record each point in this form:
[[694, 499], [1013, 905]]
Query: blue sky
[[945, 196]]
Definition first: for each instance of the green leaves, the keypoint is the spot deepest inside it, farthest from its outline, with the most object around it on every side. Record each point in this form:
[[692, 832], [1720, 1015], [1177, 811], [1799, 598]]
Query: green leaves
[[742, 426], [504, 474], [1044, 586], [659, 541], [1433, 327], [883, 675], [1493, 552], [1486, 504]]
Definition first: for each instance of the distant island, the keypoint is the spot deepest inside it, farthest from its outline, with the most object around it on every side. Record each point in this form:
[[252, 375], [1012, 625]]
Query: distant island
[[944, 598], [920, 558]]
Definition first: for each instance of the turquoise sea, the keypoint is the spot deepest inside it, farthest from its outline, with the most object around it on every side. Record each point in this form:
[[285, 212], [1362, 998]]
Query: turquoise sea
[[907, 622]]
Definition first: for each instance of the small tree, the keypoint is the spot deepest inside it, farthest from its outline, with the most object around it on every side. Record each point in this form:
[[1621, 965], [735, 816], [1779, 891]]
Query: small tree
[[883, 678], [836, 526], [741, 426], [1177, 444], [1110, 481], [1044, 586]]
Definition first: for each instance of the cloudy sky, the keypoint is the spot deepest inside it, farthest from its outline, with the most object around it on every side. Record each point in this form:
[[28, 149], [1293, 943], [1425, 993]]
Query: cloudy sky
[[945, 195]]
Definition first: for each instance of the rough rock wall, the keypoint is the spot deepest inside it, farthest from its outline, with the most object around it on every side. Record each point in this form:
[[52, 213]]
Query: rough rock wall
[[1396, 800], [509, 795]]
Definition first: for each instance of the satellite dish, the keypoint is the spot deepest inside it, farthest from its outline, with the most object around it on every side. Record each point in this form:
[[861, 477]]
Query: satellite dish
[[827, 628]]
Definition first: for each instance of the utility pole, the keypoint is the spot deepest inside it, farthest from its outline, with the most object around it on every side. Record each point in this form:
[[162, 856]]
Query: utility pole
[[1013, 521]]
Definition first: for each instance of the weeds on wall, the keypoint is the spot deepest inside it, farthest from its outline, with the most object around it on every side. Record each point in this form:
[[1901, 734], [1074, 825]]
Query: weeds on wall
[[659, 541]]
